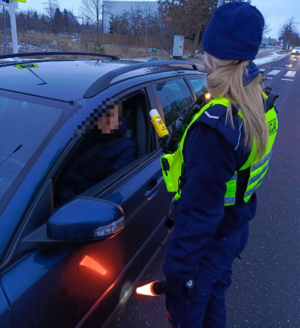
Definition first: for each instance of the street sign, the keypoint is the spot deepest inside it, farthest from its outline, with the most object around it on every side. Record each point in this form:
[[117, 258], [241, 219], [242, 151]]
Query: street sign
[[6, 4]]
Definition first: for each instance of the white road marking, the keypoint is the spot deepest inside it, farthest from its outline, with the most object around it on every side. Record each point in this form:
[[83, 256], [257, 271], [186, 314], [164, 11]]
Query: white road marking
[[294, 59], [289, 65], [287, 80], [274, 72], [290, 74], [262, 69], [278, 68], [269, 78]]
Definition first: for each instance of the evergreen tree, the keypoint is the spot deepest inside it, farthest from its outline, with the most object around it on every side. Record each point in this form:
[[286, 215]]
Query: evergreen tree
[[57, 21], [99, 47]]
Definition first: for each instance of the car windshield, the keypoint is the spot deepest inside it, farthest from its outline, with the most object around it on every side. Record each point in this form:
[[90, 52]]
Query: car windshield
[[297, 48], [23, 127]]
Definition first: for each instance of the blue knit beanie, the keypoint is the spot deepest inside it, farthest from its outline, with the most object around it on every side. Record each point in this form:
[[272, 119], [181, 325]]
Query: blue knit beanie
[[234, 32]]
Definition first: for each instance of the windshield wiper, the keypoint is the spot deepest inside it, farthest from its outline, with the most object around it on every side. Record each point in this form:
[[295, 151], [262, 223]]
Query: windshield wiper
[[20, 146]]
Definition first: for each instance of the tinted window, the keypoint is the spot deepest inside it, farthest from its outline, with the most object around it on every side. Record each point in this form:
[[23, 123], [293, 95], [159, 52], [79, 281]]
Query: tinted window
[[175, 98], [23, 127], [198, 84]]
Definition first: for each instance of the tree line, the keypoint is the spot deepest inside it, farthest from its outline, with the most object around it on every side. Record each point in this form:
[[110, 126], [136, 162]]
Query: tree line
[[57, 23], [183, 17]]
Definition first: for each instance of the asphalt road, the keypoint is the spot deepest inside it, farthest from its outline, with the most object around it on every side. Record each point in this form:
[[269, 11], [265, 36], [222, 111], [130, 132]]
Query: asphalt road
[[266, 284]]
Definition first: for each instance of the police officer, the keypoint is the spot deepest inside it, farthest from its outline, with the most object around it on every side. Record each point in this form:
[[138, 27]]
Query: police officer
[[225, 154]]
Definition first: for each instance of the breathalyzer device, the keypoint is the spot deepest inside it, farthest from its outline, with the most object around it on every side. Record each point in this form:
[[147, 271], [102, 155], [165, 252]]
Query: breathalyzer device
[[158, 123]]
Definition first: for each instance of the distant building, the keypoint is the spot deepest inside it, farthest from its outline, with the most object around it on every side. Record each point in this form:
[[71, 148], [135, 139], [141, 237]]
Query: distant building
[[117, 7], [269, 42]]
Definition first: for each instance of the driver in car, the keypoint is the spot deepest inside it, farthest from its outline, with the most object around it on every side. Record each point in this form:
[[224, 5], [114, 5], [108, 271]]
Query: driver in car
[[111, 147]]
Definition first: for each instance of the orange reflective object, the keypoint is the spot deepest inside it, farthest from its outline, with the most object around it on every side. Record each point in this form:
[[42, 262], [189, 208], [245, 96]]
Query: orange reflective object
[[146, 289], [92, 264]]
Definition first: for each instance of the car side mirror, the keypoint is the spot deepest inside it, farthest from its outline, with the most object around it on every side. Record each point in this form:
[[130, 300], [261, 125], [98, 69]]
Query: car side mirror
[[85, 219]]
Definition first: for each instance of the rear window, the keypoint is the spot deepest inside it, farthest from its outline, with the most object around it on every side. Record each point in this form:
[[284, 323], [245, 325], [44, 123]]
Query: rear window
[[198, 84], [175, 98], [23, 127]]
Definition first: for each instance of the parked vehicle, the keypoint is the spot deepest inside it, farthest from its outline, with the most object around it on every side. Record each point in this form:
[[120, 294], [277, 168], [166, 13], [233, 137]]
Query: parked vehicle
[[77, 229]]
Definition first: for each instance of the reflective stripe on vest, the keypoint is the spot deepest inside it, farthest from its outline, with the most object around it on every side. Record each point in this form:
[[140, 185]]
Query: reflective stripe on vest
[[231, 190], [257, 169], [257, 173]]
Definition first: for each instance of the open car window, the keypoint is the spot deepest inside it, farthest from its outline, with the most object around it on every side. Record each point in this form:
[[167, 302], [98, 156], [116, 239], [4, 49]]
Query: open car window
[[119, 138]]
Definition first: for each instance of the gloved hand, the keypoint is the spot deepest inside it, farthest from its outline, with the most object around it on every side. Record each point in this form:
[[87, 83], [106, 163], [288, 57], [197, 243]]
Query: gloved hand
[[178, 300], [163, 142], [176, 289]]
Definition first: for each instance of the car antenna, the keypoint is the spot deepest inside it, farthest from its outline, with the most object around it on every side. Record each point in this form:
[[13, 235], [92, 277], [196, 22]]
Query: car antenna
[[20, 146]]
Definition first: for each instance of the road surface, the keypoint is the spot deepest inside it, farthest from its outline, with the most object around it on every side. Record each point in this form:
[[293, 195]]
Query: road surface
[[265, 292]]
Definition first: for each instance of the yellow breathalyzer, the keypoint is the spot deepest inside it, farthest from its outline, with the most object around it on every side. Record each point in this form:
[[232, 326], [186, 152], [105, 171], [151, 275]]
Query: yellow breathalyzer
[[158, 123]]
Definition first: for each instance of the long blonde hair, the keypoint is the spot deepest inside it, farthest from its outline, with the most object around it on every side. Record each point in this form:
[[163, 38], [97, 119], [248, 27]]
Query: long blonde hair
[[227, 81]]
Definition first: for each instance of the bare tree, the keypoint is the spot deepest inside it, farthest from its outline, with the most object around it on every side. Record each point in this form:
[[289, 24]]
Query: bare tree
[[124, 28], [147, 14], [267, 29], [288, 32], [50, 8], [50, 11], [93, 9], [188, 16], [136, 19]]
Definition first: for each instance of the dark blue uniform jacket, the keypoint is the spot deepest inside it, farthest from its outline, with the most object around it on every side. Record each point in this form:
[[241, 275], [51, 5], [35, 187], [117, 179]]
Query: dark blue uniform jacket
[[213, 151]]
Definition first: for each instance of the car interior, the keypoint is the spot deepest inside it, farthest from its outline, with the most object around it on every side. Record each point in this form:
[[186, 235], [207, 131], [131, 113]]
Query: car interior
[[99, 156]]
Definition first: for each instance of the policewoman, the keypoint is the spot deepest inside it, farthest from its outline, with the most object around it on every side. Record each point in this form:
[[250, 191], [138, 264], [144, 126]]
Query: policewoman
[[223, 158]]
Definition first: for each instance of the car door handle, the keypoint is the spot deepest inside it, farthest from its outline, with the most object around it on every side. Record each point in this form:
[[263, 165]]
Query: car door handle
[[152, 192]]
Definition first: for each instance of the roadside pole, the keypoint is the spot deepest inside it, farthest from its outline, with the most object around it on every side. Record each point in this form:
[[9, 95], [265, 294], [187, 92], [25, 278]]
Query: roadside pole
[[4, 29], [13, 27]]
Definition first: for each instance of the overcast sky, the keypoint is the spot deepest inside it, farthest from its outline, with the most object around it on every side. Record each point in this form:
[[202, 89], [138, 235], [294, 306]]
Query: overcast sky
[[274, 11]]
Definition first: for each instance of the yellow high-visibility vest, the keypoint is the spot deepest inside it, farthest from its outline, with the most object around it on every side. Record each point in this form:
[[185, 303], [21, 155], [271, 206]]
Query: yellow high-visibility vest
[[175, 175]]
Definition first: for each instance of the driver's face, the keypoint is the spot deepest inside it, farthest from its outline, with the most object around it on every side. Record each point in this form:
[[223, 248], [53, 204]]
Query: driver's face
[[110, 121]]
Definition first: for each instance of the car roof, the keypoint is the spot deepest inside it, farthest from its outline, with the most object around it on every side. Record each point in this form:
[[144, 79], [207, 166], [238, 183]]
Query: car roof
[[69, 80], [62, 80]]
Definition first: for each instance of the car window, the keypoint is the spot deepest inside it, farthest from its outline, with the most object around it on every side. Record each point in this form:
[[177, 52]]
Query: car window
[[175, 98], [120, 137], [23, 127], [198, 84]]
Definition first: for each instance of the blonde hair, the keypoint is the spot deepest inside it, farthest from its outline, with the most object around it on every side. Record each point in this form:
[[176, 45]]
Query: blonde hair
[[227, 81]]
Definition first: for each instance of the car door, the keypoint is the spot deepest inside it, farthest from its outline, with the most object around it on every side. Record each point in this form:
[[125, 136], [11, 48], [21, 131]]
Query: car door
[[5, 315], [63, 286]]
